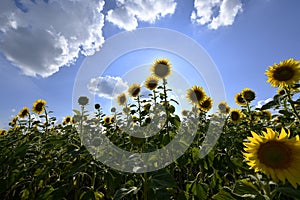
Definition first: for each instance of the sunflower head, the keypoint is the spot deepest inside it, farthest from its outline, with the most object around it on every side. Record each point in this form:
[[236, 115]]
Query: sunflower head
[[97, 106], [248, 95], [151, 82], [196, 95], [112, 119], [126, 110], [266, 114], [67, 120], [223, 107], [161, 68], [206, 104], [39, 106], [2, 132], [276, 155], [106, 119], [134, 90], [281, 91], [286, 73], [121, 99], [83, 100], [239, 99], [235, 115], [24, 112]]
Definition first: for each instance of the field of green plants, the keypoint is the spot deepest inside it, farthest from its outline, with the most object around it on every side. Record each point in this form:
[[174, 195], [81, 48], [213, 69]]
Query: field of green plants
[[257, 154]]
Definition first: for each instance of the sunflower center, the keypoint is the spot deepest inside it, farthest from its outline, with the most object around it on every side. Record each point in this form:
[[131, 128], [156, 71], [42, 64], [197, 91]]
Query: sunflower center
[[161, 70], [205, 104], [249, 96], [39, 107], [135, 91], [152, 84], [275, 154], [240, 99], [235, 116], [284, 73], [196, 95]]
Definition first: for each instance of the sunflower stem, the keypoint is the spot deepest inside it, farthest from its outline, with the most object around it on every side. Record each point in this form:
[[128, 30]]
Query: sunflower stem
[[292, 104], [139, 109]]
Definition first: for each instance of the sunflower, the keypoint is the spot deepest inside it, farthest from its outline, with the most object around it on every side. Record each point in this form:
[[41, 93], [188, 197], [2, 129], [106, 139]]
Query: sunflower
[[275, 154], [67, 120], [206, 104], [235, 115], [284, 74], [223, 107], [239, 99], [106, 119], [2, 132], [112, 119], [161, 68], [196, 95], [151, 82], [122, 99], [39, 106], [281, 91], [248, 95], [134, 90], [83, 100], [266, 114], [185, 112], [24, 112], [126, 110], [97, 106]]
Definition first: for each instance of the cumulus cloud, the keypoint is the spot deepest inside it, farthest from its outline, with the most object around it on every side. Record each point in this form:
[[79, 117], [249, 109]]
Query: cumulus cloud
[[107, 86], [128, 12], [215, 13], [40, 37]]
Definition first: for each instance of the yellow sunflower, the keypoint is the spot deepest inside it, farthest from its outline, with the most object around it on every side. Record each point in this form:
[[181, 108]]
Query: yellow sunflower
[[106, 119], [235, 115], [196, 95], [122, 99], [2, 132], [284, 74], [206, 104], [281, 91], [39, 106], [24, 112], [151, 82], [67, 120], [223, 107], [276, 155], [161, 68], [248, 95], [239, 99], [266, 114], [134, 90]]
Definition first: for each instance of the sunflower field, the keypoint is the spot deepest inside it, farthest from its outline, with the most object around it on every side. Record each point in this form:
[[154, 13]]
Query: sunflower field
[[256, 154]]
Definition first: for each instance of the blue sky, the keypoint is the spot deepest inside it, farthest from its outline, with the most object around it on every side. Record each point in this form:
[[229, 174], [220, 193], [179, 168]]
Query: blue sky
[[44, 44]]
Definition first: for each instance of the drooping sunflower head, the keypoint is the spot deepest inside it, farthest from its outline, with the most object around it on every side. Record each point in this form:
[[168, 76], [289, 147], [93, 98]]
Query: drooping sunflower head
[[286, 73], [206, 104], [39, 106], [248, 95], [223, 107], [236, 115], [276, 155], [67, 120], [161, 68], [121, 99], [196, 95], [24, 112], [239, 99], [151, 82], [83, 100], [134, 90]]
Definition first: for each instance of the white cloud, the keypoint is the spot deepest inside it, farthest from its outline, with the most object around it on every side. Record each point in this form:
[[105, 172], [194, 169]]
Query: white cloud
[[128, 12], [260, 103], [49, 35], [108, 87], [215, 13]]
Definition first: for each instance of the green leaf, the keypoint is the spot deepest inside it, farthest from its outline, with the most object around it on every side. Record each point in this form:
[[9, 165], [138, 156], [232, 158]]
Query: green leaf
[[223, 195], [290, 192], [121, 193], [200, 190], [161, 179]]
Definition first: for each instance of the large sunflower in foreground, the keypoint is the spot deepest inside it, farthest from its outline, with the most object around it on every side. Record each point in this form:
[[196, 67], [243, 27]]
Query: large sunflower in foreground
[[161, 68], [276, 155], [196, 95], [39, 106], [284, 74]]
